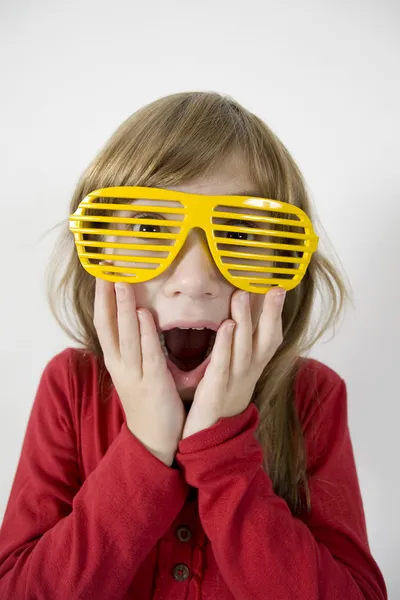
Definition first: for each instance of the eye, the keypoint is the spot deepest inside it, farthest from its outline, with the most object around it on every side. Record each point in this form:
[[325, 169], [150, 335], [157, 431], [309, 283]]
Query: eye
[[241, 235], [147, 228]]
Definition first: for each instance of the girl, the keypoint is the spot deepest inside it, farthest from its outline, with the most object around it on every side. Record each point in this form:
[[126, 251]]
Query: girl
[[145, 475]]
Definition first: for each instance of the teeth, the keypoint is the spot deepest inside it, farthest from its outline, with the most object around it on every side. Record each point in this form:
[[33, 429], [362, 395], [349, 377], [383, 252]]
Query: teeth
[[162, 340], [198, 328]]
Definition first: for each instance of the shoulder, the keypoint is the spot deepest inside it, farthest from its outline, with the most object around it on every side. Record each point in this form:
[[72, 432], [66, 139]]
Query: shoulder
[[316, 373], [319, 389], [75, 370], [71, 380], [73, 361]]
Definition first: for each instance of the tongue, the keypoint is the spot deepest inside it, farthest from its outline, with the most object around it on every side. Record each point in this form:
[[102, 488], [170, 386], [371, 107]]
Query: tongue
[[188, 346]]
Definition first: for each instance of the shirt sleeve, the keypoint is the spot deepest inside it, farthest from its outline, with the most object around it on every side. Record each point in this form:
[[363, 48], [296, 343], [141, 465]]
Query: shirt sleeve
[[262, 550], [61, 538]]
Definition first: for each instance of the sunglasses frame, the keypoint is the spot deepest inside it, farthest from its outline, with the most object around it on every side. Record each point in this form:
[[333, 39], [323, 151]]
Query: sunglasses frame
[[198, 212]]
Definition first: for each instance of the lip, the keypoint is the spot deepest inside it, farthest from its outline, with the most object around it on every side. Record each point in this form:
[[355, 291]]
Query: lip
[[188, 379], [190, 324]]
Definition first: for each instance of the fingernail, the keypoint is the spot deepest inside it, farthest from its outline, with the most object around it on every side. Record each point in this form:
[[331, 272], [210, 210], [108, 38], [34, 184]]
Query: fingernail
[[244, 298], [279, 297]]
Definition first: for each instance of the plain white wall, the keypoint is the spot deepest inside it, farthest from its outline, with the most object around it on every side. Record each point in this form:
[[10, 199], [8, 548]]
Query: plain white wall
[[324, 76]]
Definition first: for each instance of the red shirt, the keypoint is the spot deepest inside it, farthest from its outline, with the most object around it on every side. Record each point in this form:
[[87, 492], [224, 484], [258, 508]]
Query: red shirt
[[93, 515]]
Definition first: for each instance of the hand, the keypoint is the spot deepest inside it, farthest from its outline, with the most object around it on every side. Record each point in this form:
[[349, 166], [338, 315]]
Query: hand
[[133, 355], [237, 361]]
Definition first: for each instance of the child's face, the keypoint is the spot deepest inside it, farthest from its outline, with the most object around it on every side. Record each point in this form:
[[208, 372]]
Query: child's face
[[193, 288]]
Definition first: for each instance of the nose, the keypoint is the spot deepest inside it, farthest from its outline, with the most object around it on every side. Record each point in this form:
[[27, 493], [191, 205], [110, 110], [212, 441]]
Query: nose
[[193, 272]]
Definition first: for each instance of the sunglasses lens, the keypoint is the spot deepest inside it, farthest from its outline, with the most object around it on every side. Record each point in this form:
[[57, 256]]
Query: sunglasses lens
[[135, 236], [258, 248]]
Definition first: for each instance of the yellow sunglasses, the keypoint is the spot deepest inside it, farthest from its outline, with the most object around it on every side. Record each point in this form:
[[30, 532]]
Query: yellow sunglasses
[[242, 232]]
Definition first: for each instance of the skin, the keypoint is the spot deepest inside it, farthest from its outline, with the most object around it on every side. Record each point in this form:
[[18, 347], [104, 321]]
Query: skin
[[193, 287]]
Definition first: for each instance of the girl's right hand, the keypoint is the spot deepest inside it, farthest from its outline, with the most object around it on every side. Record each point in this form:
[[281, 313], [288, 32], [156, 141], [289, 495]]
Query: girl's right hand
[[133, 355]]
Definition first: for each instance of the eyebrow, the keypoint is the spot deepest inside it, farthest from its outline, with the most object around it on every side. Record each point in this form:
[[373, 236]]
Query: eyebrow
[[251, 193], [245, 193]]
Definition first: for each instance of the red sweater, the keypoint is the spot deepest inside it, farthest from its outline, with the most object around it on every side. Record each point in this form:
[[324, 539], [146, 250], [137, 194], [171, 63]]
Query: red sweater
[[93, 515]]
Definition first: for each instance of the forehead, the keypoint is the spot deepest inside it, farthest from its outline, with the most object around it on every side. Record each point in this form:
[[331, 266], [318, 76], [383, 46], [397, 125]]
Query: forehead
[[230, 177], [143, 201]]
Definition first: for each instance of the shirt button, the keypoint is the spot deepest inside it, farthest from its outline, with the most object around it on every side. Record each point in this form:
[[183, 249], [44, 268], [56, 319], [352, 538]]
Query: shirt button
[[183, 534], [181, 572]]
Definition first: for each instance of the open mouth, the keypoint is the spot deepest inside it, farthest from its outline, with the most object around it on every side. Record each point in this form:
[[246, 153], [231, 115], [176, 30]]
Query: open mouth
[[187, 348]]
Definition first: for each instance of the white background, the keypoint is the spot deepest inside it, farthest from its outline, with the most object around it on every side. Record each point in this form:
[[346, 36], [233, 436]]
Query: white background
[[323, 75]]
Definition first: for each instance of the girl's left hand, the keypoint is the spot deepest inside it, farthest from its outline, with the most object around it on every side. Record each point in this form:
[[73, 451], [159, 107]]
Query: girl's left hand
[[237, 361]]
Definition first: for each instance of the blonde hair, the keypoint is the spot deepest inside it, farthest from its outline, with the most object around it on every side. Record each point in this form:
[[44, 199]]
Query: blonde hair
[[173, 140]]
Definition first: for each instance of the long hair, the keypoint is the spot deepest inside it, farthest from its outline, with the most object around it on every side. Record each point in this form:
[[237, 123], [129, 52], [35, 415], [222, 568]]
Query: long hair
[[167, 142]]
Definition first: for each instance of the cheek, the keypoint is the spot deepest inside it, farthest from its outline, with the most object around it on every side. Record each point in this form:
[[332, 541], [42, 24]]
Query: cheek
[[142, 295], [144, 292]]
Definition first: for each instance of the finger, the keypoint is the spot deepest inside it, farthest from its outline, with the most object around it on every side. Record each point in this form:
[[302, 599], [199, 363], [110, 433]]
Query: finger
[[268, 334], [242, 344], [128, 326], [105, 320], [219, 367], [153, 357]]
